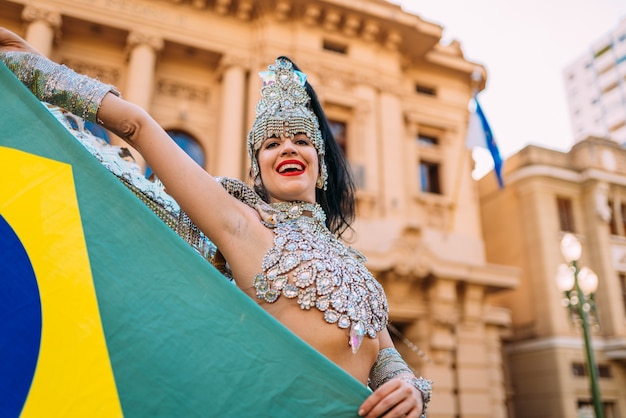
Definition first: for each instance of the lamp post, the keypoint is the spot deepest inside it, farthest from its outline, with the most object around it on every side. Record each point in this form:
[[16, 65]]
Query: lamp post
[[579, 285]]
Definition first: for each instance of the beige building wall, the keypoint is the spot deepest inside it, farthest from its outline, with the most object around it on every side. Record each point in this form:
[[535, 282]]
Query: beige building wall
[[401, 96], [522, 227]]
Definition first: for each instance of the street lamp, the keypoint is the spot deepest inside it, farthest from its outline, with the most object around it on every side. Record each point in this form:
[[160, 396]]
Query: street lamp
[[579, 285]]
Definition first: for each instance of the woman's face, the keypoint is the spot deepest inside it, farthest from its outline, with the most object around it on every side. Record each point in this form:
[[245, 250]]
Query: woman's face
[[289, 168]]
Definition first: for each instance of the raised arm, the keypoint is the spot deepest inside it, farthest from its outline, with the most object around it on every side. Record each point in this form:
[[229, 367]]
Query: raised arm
[[221, 217]]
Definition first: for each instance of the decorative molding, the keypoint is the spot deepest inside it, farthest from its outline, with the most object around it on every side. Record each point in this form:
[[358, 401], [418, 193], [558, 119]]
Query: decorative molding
[[393, 40], [328, 76], [222, 6], [283, 8], [601, 199], [231, 60], [331, 20], [412, 256], [371, 30], [198, 4], [136, 38], [186, 91], [312, 14], [38, 13], [351, 25], [244, 10]]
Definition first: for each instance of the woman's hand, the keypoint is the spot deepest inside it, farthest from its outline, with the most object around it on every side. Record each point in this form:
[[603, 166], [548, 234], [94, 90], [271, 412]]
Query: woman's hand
[[396, 398], [9, 41]]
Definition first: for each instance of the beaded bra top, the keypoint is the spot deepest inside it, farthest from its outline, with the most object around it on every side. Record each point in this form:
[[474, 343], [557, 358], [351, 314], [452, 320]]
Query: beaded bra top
[[310, 265]]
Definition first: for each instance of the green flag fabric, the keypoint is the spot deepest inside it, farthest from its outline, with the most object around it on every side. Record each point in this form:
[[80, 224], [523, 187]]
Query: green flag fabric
[[105, 311]]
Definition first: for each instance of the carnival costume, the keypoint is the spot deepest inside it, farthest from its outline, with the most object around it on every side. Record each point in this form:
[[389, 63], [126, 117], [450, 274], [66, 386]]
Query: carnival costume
[[307, 262]]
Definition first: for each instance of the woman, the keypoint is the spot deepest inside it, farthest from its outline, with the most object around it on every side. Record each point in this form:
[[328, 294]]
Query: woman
[[281, 239]]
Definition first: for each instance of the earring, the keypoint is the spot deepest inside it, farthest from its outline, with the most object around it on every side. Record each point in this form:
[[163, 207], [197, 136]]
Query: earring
[[319, 183], [258, 182]]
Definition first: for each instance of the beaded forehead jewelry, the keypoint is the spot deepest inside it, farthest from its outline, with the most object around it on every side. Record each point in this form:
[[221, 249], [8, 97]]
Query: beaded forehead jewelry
[[283, 111]]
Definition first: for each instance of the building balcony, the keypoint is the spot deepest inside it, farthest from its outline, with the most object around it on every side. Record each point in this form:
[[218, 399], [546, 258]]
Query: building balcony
[[608, 80]]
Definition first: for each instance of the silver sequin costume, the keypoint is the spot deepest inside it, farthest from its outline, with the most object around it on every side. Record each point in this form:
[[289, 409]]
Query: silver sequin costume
[[309, 264]]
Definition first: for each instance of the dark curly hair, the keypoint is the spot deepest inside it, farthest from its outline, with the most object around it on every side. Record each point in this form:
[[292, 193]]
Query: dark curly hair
[[337, 200]]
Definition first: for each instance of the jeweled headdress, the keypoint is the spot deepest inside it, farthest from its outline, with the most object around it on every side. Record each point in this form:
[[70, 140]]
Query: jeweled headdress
[[283, 110]]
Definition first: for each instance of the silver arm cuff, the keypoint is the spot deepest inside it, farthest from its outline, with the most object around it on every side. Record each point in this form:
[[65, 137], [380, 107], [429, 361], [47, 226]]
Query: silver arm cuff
[[57, 84], [390, 364]]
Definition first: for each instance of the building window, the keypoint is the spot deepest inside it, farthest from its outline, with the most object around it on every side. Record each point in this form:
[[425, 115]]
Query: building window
[[426, 90], [566, 214], [623, 213], [335, 47], [604, 371], [610, 87], [189, 144], [339, 130], [585, 409], [429, 177], [602, 51], [619, 125], [622, 282], [612, 221], [580, 370], [427, 140]]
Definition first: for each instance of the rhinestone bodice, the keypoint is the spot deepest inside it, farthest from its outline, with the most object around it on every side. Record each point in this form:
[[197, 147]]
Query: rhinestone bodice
[[309, 264]]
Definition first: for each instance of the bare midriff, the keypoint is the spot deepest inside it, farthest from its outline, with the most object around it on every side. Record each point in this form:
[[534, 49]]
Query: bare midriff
[[328, 339]]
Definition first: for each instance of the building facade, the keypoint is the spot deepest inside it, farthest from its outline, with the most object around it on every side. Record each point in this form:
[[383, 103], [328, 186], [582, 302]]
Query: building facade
[[595, 86], [397, 100], [549, 193]]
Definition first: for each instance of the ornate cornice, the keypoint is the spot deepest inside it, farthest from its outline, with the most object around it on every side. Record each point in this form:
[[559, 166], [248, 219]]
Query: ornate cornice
[[38, 13], [232, 60], [136, 38]]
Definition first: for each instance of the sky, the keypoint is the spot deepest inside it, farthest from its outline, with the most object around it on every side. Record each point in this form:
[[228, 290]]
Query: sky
[[525, 47]]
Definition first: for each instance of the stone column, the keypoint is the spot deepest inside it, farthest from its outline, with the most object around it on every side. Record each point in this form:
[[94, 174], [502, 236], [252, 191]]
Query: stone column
[[472, 367], [232, 135], [391, 146], [367, 126], [367, 129], [42, 26], [143, 49], [443, 303]]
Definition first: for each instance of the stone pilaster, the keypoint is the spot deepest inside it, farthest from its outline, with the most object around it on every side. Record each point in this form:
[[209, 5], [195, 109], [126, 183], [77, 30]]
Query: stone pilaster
[[392, 154], [232, 134], [43, 26]]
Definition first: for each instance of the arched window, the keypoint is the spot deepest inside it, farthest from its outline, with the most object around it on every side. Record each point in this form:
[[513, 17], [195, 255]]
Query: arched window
[[188, 143]]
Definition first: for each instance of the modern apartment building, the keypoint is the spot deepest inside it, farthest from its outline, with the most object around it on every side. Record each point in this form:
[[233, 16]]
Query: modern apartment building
[[549, 193], [596, 88], [397, 98]]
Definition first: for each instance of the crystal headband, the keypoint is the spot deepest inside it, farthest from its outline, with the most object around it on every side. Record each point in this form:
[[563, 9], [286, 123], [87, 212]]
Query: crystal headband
[[283, 111]]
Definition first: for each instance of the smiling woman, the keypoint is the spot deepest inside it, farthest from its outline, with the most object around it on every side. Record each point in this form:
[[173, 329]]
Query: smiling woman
[[281, 240], [289, 169]]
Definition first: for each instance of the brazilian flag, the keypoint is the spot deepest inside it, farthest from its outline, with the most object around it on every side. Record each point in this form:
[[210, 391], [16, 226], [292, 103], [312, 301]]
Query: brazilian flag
[[105, 311]]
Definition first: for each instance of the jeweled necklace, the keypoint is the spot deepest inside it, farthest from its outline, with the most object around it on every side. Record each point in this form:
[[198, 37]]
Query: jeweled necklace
[[309, 263]]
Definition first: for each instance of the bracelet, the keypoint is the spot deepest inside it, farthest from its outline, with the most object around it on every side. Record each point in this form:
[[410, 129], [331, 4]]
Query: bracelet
[[390, 364], [57, 84], [424, 386]]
